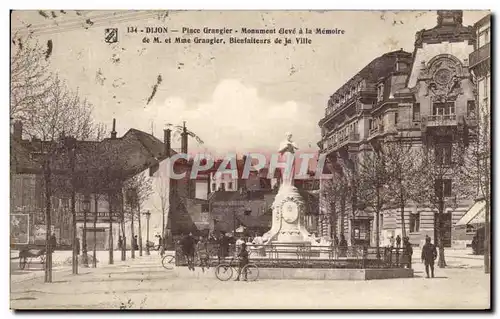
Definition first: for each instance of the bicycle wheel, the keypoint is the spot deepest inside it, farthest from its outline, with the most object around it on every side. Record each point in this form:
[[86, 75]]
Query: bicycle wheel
[[168, 262], [223, 272], [251, 271]]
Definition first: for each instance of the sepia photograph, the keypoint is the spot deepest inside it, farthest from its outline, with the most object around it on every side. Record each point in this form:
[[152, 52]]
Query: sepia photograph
[[250, 159]]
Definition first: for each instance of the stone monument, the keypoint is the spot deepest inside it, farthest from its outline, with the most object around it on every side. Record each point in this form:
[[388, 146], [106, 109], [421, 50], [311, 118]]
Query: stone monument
[[288, 218]]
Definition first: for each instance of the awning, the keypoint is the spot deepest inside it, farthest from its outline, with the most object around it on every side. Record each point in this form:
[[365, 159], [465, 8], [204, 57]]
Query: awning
[[473, 215]]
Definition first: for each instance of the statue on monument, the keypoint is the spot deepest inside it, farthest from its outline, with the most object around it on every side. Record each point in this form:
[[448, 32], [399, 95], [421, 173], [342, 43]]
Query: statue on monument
[[287, 151]]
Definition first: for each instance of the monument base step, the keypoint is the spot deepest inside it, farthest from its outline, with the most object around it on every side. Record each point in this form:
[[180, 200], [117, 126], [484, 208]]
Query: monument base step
[[334, 274]]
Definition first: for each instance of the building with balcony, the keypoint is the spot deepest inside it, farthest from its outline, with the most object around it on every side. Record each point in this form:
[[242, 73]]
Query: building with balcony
[[423, 97]]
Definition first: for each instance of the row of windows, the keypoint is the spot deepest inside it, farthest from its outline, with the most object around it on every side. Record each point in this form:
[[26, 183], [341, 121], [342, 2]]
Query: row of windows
[[343, 134], [484, 38], [336, 102]]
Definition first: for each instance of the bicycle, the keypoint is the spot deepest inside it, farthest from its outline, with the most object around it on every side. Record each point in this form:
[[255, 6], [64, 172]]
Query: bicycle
[[168, 261], [224, 271]]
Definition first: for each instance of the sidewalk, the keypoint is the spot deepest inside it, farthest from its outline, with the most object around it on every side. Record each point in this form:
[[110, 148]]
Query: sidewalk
[[62, 264], [456, 258]]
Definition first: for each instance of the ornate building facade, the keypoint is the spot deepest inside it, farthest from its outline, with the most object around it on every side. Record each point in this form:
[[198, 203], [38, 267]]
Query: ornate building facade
[[426, 95]]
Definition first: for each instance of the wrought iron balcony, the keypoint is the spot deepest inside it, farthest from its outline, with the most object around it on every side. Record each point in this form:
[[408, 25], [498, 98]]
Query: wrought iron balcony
[[479, 55], [441, 120]]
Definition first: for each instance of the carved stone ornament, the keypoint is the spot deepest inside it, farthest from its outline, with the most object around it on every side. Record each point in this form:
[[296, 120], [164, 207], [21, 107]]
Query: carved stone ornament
[[443, 83]]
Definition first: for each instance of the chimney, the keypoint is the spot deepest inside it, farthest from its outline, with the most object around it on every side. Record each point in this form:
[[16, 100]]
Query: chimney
[[113, 132], [166, 141], [18, 130], [184, 139]]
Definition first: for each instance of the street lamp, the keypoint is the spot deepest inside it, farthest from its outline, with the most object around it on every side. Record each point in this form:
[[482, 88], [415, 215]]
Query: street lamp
[[148, 216], [86, 209]]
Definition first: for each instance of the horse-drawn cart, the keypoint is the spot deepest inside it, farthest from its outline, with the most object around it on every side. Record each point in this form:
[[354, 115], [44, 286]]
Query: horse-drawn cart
[[27, 255]]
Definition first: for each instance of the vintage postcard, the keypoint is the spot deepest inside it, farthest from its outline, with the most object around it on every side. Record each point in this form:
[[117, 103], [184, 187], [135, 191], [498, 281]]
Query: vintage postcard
[[250, 159]]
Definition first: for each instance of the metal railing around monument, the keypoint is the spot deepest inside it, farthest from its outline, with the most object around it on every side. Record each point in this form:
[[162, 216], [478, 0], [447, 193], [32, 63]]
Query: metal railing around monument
[[306, 256]]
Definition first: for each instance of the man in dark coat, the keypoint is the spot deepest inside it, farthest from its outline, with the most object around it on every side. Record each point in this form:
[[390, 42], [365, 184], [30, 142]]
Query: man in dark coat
[[342, 246], [188, 244], [398, 241], [407, 251], [136, 245], [429, 255], [53, 242]]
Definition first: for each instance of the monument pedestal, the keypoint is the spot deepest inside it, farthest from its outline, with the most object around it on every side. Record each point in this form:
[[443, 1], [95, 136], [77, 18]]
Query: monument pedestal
[[288, 230]]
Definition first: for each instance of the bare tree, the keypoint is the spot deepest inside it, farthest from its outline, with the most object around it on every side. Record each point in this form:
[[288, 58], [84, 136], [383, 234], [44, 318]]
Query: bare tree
[[441, 185], [335, 190], [403, 172], [58, 113], [137, 189], [373, 191], [477, 167], [30, 79]]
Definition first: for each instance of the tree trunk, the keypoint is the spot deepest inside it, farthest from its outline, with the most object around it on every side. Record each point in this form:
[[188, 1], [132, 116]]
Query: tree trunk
[[85, 260], [48, 246], [110, 243], [132, 232], [140, 230], [73, 214], [487, 236], [333, 216], [342, 215], [403, 224], [377, 233], [124, 241], [441, 258], [94, 261]]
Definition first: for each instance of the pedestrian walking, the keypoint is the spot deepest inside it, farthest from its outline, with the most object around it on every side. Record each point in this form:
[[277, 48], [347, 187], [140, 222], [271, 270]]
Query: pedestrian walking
[[429, 255], [391, 240], [336, 241], [398, 241]]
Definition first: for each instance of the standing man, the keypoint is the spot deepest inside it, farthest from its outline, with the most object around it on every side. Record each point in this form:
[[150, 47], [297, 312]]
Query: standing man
[[188, 248], [429, 255], [398, 241], [243, 258], [407, 251], [53, 242], [136, 245], [391, 240]]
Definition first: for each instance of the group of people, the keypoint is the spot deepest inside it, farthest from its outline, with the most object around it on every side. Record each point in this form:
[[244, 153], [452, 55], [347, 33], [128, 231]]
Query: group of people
[[135, 245], [199, 247]]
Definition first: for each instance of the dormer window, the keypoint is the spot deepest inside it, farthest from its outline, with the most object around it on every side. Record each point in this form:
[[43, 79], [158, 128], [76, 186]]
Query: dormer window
[[380, 93]]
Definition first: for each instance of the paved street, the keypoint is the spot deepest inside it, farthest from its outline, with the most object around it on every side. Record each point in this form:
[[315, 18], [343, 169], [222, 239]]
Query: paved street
[[143, 283]]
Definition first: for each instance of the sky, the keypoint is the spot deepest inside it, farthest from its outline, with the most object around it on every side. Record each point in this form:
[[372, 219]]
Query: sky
[[235, 97]]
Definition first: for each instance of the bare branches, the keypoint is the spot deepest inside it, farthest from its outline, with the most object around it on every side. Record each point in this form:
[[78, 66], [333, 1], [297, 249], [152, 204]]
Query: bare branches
[[30, 78], [59, 112]]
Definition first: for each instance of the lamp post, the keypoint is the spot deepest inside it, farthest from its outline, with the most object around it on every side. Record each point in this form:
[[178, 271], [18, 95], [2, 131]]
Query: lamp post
[[148, 216], [86, 209]]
